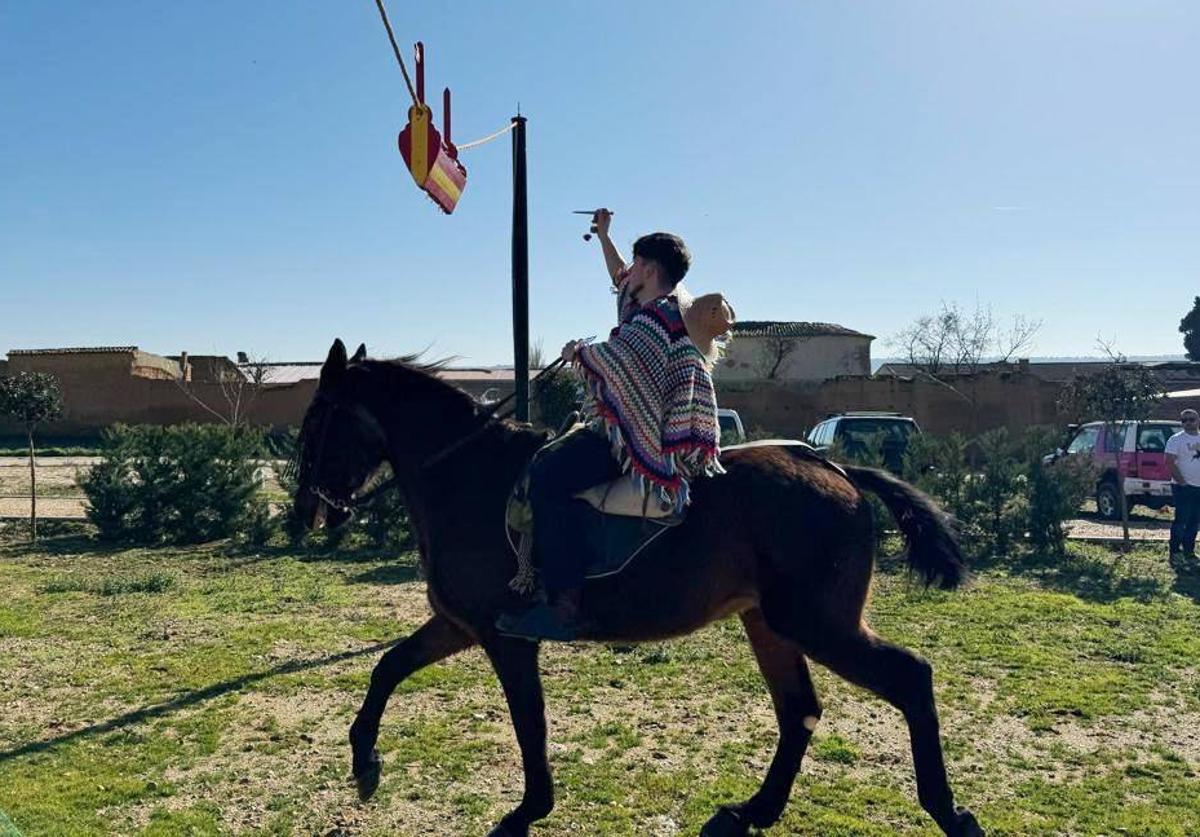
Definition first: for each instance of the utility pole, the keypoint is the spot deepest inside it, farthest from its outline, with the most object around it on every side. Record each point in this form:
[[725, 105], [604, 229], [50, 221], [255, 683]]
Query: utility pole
[[520, 273]]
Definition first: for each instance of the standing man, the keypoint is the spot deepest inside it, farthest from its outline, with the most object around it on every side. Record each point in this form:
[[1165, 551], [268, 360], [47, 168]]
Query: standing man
[[1183, 458]]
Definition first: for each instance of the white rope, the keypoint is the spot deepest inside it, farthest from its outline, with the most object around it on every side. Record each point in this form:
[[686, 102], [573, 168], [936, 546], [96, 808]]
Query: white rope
[[488, 138], [387, 24], [413, 93]]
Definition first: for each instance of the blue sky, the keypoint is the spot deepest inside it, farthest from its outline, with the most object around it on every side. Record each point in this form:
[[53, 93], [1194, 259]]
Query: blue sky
[[223, 176]]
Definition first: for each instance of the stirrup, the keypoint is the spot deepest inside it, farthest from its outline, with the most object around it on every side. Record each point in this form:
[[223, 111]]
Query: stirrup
[[540, 622]]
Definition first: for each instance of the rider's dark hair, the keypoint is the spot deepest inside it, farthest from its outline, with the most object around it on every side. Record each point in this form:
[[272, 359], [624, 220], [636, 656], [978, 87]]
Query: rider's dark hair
[[668, 251]]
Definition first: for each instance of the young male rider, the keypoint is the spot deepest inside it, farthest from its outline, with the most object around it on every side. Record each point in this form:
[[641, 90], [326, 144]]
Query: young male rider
[[652, 413]]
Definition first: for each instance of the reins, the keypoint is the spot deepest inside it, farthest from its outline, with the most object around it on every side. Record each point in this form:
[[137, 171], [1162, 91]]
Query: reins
[[489, 416], [492, 413]]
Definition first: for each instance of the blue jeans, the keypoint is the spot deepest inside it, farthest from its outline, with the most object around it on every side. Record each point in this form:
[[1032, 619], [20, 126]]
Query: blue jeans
[[578, 461], [1187, 517]]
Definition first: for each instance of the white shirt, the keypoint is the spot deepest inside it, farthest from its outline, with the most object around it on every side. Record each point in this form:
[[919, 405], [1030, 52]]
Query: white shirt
[[1185, 447]]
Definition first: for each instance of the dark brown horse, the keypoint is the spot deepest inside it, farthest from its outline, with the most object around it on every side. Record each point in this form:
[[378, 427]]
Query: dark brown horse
[[783, 541]]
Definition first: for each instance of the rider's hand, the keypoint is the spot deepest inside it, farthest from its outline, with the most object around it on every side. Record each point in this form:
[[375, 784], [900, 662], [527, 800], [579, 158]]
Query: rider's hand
[[601, 221], [568, 351]]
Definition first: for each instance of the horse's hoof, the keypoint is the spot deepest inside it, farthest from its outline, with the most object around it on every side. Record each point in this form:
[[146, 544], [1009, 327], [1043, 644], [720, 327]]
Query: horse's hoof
[[501, 831], [367, 779], [965, 824], [725, 823]]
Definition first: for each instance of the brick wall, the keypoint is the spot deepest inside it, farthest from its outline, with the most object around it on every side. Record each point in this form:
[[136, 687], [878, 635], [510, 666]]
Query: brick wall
[[1009, 400], [99, 390]]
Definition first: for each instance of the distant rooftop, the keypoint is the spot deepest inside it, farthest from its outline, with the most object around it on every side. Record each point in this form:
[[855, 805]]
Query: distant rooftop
[[773, 328], [290, 373], [286, 373], [1058, 371], [78, 350]]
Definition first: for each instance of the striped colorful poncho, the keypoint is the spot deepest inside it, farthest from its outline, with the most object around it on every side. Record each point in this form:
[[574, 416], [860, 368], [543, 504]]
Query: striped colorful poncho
[[652, 389]]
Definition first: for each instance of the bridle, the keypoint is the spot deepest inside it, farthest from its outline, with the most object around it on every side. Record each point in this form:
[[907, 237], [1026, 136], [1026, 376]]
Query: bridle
[[296, 469]]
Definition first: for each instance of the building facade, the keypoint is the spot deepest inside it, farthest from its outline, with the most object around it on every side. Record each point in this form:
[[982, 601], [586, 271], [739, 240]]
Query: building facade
[[794, 351]]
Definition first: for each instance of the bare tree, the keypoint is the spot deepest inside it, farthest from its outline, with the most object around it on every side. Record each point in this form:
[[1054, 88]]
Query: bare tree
[[537, 355], [957, 342], [945, 347], [927, 343], [1017, 338], [775, 350], [1119, 393], [237, 388], [971, 338]]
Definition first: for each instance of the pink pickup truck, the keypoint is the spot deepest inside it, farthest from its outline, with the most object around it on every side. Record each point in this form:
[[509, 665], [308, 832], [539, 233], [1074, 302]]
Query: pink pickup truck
[[1133, 457]]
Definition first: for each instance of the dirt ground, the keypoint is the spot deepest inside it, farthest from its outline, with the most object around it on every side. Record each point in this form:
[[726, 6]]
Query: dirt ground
[[59, 495], [248, 670]]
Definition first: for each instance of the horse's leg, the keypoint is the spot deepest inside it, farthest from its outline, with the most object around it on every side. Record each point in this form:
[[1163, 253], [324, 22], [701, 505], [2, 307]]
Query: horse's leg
[[906, 681], [516, 664], [435, 640], [796, 707]]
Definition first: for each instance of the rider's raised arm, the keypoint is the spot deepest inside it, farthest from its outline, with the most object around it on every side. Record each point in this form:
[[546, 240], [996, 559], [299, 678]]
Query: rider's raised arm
[[612, 257]]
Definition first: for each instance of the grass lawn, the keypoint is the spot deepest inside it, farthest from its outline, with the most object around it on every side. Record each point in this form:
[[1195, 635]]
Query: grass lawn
[[172, 692]]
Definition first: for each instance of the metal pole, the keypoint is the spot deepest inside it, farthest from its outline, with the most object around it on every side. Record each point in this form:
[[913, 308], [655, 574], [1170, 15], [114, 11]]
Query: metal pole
[[520, 273]]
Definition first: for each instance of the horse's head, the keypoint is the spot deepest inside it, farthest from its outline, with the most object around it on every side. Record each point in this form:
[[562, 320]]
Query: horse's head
[[341, 447]]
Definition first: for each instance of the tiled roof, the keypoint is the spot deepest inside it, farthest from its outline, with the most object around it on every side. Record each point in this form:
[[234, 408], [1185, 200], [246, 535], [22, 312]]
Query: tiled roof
[[81, 350], [772, 328]]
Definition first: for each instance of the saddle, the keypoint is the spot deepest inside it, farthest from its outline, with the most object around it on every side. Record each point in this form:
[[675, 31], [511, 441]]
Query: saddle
[[622, 498], [625, 524]]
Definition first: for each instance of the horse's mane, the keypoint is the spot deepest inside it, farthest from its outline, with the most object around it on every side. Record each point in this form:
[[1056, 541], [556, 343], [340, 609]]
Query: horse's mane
[[412, 373]]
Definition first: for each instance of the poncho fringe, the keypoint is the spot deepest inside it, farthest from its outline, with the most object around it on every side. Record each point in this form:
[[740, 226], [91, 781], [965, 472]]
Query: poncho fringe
[[651, 388]]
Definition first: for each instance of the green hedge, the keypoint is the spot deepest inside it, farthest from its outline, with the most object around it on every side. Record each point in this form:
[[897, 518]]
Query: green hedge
[[179, 484], [995, 485]]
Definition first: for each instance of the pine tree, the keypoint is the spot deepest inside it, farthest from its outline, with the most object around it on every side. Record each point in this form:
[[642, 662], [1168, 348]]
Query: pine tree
[[1190, 327]]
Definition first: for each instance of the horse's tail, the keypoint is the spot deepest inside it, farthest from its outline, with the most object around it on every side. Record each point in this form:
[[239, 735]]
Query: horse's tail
[[933, 550]]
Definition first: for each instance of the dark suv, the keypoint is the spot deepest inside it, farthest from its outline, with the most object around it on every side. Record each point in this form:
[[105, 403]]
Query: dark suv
[[855, 431]]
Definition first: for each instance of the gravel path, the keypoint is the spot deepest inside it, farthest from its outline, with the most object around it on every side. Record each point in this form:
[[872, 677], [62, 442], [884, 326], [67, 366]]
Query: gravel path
[[1139, 530], [49, 508]]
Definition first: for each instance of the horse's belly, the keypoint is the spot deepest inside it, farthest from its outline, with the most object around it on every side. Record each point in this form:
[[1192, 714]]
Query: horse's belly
[[666, 600]]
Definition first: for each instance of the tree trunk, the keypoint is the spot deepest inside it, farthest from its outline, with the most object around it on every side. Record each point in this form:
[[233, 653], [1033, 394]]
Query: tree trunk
[[32, 492]]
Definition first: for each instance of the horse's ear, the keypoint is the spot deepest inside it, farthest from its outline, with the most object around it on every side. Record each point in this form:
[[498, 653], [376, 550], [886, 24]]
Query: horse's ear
[[360, 354], [335, 364]]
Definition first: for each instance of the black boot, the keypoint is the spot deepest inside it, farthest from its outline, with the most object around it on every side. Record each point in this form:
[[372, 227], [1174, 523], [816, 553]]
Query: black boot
[[557, 620]]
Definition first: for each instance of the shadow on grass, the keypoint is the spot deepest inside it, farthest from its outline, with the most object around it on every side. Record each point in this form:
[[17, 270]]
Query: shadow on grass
[[346, 550], [388, 574], [56, 538], [1099, 580], [187, 699], [1100, 573], [1187, 578]]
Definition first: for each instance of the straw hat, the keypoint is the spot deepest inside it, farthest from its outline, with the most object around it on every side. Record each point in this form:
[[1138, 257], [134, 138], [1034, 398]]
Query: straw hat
[[708, 319]]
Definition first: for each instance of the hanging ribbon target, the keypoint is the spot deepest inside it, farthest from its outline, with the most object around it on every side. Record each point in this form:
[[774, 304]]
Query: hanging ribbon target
[[431, 157]]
